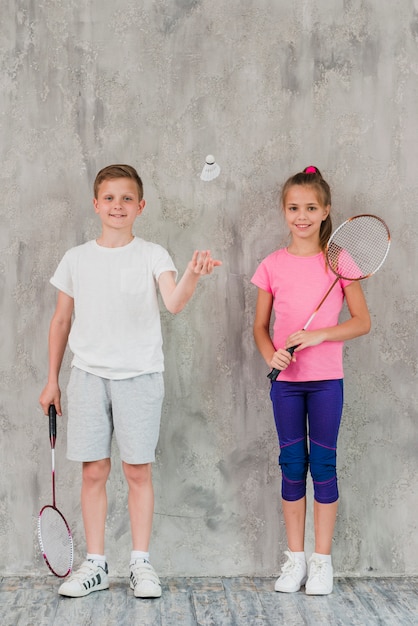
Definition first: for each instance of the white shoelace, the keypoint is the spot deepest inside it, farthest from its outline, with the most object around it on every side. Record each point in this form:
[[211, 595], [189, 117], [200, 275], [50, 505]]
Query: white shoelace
[[318, 570]]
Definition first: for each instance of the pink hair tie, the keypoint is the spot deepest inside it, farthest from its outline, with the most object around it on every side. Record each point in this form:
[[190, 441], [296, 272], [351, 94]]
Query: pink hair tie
[[310, 170]]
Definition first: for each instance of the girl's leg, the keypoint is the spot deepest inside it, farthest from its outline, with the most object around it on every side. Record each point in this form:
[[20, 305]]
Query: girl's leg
[[294, 514], [324, 522], [94, 503], [140, 503], [325, 403], [289, 409]]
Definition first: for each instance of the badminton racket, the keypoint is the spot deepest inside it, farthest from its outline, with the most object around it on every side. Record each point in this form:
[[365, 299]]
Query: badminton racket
[[355, 251], [54, 534]]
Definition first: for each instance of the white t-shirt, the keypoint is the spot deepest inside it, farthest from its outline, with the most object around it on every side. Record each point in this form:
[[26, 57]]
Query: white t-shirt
[[116, 332]]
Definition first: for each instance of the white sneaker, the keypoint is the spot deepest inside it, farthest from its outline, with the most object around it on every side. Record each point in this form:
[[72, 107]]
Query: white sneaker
[[144, 580], [320, 579], [293, 574], [89, 577]]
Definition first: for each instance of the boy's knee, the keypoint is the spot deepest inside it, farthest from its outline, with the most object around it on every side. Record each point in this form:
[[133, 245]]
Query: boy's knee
[[138, 474], [96, 471]]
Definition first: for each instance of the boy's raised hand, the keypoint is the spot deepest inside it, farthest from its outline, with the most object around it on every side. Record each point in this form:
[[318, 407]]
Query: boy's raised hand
[[202, 262]]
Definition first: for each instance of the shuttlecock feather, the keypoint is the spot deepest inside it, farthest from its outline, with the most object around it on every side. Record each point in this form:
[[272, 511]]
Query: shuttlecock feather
[[211, 169]]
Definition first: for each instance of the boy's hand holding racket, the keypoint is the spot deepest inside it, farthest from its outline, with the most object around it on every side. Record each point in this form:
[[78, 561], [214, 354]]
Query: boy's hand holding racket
[[51, 396]]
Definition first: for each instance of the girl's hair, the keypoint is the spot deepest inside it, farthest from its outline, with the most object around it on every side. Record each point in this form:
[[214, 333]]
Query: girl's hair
[[118, 171], [312, 177]]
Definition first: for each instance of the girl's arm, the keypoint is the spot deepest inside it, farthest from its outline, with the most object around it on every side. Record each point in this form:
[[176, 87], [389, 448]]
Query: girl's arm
[[58, 336], [358, 324], [176, 296], [278, 359]]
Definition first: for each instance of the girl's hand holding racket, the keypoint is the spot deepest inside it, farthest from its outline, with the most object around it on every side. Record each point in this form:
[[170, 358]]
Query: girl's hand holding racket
[[304, 339], [281, 359]]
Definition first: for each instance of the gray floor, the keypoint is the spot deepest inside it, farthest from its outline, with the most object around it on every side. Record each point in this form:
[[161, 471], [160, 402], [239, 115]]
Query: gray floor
[[211, 601]]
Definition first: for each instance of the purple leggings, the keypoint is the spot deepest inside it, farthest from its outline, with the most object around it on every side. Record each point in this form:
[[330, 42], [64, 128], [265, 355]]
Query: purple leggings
[[302, 410]]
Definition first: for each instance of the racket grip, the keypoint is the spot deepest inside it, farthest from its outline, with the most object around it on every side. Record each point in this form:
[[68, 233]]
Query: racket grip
[[52, 424], [274, 373]]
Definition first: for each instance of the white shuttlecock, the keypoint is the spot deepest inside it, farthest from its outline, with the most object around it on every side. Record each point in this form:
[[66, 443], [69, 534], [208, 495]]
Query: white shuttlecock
[[211, 169]]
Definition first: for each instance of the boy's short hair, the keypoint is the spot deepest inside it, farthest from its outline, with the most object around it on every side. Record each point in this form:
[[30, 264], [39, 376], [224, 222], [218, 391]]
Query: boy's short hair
[[118, 171]]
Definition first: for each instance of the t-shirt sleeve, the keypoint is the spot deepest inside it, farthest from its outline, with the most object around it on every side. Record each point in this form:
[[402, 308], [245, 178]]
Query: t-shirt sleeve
[[62, 279], [261, 278], [344, 282], [163, 263]]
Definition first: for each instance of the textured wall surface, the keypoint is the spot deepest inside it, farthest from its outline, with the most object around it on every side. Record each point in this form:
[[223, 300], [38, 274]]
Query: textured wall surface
[[269, 87]]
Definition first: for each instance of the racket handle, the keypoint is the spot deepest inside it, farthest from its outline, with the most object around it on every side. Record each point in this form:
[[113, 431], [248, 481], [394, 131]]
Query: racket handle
[[52, 424], [274, 373]]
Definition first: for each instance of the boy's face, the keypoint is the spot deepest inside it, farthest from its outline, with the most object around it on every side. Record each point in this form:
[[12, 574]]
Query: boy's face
[[118, 203]]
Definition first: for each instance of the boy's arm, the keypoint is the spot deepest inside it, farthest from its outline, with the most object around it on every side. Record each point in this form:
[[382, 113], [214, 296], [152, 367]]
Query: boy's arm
[[176, 296], [58, 335]]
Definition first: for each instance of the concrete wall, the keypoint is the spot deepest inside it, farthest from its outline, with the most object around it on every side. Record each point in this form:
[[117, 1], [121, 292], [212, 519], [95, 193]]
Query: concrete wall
[[269, 87]]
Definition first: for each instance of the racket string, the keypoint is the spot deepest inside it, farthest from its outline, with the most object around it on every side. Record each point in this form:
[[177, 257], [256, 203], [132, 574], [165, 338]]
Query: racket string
[[359, 247], [55, 540]]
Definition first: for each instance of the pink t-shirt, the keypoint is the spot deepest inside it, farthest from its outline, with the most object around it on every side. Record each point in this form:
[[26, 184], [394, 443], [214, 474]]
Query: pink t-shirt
[[298, 284]]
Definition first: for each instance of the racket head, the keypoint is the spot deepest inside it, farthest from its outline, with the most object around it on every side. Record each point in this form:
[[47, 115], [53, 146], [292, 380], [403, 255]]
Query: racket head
[[359, 247], [55, 541]]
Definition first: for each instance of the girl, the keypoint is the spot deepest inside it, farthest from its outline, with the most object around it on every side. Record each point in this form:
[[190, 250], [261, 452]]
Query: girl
[[307, 397]]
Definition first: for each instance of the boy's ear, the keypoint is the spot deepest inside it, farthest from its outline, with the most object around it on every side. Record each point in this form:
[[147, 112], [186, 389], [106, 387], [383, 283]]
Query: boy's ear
[[141, 206], [95, 204]]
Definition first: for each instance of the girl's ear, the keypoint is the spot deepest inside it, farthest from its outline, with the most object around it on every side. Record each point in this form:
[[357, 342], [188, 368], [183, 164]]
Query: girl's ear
[[327, 210]]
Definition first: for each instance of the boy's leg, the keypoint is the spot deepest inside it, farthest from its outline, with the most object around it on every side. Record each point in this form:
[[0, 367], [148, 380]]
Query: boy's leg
[[92, 575], [94, 503], [140, 503], [143, 579], [136, 404]]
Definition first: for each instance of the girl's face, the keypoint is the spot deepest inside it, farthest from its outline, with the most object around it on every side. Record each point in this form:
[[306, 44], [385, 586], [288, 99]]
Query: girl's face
[[304, 212]]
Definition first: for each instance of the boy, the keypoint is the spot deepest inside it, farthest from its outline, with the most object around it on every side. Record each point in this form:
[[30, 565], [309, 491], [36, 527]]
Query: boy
[[116, 382]]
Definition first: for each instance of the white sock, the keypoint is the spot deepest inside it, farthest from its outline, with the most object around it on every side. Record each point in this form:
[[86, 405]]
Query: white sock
[[299, 555], [322, 557], [138, 554], [99, 559]]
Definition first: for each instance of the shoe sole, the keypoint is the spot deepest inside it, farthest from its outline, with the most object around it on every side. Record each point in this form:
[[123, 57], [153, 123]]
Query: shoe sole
[[316, 592], [83, 593], [150, 594], [293, 589]]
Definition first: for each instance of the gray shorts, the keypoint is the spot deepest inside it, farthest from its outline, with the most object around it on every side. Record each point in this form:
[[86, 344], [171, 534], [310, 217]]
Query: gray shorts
[[130, 407]]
